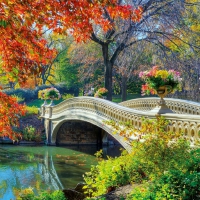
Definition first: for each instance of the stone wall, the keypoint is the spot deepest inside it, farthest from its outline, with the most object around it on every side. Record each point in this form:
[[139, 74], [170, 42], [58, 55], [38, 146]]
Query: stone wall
[[78, 132]]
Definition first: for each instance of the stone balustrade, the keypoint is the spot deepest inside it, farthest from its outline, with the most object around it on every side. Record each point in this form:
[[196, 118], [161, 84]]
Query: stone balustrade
[[185, 118], [178, 106]]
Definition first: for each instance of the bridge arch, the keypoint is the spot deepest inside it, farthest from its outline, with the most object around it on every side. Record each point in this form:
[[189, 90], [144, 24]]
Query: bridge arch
[[85, 116], [96, 111]]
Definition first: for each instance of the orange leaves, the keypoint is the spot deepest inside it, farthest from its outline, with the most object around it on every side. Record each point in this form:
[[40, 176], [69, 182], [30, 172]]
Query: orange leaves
[[22, 23], [125, 12], [10, 111]]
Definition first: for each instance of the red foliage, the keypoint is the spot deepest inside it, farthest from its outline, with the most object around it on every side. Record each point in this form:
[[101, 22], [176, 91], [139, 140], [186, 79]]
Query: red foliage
[[10, 111], [23, 48]]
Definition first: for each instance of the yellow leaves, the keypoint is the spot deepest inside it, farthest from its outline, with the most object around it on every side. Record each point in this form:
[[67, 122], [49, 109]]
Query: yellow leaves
[[195, 27]]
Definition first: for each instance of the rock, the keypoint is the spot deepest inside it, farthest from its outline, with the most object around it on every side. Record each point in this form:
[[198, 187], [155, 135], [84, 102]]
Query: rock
[[71, 194], [119, 194], [79, 187], [75, 194]]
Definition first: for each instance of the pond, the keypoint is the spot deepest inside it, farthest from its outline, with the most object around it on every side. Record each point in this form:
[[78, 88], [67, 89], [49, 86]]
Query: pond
[[45, 167]]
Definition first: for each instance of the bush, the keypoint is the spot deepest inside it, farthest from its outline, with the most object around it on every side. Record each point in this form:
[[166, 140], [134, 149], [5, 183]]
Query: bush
[[31, 134], [18, 98], [152, 155], [27, 194], [179, 184], [32, 110], [112, 173], [28, 94], [67, 96]]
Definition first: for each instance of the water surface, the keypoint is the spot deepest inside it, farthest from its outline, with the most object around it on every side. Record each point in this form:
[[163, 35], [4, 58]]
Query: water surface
[[45, 167]]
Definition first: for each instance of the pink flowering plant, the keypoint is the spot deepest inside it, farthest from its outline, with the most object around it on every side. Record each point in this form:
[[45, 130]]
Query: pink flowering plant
[[101, 92], [49, 93], [156, 78]]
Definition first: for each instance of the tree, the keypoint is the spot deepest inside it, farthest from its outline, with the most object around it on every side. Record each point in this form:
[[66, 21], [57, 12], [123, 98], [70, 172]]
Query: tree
[[160, 19], [65, 71], [89, 58], [24, 50]]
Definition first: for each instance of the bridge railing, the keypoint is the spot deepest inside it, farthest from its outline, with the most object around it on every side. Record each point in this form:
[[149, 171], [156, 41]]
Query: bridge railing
[[186, 118], [178, 106]]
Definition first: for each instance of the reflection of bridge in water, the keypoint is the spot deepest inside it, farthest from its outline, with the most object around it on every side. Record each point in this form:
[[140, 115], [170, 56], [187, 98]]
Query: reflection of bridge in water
[[49, 172], [95, 111]]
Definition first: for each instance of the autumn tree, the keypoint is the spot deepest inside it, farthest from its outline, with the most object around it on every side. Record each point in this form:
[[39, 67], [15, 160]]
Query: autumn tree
[[24, 50], [159, 20], [186, 48], [91, 68], [128, 64]]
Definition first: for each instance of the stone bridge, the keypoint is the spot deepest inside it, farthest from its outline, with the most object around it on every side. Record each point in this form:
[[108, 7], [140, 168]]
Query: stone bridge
[[94, 111]]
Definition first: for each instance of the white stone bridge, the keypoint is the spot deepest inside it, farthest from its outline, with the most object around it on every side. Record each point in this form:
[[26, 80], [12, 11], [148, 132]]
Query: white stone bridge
[[186, 116]]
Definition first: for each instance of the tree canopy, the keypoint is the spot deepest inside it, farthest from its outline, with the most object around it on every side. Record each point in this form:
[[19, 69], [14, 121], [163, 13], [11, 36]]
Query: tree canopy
[[22, 45]]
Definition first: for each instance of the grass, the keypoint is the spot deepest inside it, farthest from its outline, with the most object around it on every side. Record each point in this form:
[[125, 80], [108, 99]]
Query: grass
[[39, 102], [117, 98]]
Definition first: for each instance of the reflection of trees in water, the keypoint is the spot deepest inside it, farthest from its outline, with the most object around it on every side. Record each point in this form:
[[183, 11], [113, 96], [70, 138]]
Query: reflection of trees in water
[[44, 168], [3, 186], [19, 170]]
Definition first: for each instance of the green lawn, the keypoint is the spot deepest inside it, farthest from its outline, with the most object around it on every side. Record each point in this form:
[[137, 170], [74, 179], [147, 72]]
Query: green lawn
[[117, 98], [39, 102]]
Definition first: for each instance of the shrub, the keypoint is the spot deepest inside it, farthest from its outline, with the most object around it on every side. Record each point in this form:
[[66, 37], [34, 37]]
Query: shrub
[[32, 110], [67, 96], [152, 155], [112, 173], [27, 194], [156, 148], [28, 94], [179, 184], [31, 134]]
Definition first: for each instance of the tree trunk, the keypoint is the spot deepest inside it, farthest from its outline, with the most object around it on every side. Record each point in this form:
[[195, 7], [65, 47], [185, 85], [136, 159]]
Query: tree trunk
[[108, 80], [124, 88], [108, 71], [43, 78], [11, 84]]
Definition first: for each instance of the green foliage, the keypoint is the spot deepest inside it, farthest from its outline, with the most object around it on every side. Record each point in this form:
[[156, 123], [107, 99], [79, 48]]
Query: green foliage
[[155, 147], [27, 194], [112, 173], [3, 23], [179, 184], [29, 133], [29, 95], [66, 72], [67, 96], [162, 149], [31, 110], [154, 152]]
